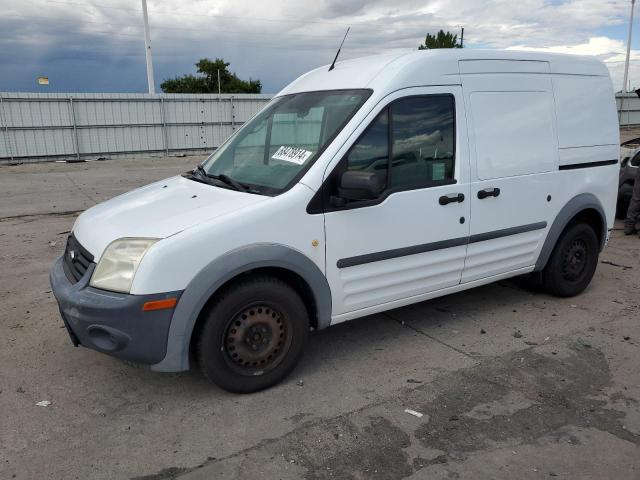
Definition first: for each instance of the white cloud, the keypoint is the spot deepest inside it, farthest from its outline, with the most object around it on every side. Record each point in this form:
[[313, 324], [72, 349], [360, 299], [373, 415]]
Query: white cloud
[[610, 51]]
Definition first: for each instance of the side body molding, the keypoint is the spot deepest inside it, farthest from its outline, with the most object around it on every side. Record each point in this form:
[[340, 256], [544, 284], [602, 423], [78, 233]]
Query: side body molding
[[223, 269], [571, 209]]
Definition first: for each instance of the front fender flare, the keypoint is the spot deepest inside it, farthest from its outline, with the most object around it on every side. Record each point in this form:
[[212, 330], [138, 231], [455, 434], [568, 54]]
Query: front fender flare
[[223, 269]]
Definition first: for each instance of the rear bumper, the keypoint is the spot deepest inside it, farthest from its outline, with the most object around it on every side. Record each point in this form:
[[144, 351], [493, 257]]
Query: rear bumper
[[109, 322]]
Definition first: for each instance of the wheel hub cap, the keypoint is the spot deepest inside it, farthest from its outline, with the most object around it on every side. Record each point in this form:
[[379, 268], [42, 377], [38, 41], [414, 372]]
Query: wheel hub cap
[[255, 338], [575, 263]]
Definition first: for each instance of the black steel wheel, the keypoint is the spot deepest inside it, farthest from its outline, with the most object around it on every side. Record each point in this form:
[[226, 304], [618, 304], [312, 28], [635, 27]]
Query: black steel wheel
[[573, 261], [253, 336], [257, 339]]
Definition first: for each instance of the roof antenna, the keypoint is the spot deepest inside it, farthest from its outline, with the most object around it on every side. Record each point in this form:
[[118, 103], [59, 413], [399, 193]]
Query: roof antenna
[[338, 53]]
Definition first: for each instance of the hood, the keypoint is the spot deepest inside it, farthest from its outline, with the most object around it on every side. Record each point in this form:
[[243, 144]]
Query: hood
[[157, 211]]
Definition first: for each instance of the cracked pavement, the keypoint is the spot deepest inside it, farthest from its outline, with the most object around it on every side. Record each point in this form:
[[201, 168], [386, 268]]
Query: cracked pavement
[[550, 389]]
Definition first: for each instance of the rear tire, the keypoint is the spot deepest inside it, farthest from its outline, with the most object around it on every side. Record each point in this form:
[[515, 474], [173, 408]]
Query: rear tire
[[254, 335], [624, 198], [573, 261]]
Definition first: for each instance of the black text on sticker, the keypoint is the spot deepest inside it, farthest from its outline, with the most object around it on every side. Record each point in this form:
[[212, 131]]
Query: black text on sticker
[[292, 154]]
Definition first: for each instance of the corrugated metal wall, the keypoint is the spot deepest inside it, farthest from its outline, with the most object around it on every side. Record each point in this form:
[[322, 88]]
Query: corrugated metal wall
[[42, 126], [628, 109]]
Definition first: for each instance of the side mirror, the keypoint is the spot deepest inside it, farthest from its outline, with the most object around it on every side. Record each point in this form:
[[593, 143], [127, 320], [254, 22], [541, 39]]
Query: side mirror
[[360, 185]]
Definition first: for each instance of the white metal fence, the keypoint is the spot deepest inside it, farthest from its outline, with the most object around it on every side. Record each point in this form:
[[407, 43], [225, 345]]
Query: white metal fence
[[628, 109], [46, 126], [42, 126]]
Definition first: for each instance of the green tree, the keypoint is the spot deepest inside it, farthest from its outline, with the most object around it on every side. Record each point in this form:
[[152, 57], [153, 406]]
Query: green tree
[[441, 40], [207, 80]]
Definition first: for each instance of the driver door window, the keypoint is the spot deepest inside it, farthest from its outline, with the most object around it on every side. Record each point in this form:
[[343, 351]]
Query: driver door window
[[410, 145]]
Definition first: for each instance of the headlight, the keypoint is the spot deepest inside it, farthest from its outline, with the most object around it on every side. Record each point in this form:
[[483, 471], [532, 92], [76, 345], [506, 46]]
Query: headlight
[[119, 263]]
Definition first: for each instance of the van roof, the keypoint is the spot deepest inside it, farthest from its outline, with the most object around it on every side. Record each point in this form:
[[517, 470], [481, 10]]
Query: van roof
[[393, 71]]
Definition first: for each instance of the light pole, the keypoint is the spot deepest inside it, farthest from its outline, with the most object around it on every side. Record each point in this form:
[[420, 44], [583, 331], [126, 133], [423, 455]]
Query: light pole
[[626, 65], [147, 48]]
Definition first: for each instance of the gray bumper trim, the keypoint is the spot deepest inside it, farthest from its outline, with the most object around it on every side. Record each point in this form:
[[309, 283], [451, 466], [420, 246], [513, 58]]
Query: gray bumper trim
[[112, 323]]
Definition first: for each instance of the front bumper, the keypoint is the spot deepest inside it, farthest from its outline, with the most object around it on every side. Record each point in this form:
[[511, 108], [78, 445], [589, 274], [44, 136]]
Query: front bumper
[[112, 323]]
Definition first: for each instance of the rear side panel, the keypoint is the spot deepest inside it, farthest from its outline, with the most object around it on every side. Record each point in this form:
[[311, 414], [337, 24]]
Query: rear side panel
[[588, 136], [544, 134]]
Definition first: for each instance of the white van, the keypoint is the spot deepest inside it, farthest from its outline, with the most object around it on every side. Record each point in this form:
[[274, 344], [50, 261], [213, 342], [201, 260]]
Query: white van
[[386, 181]]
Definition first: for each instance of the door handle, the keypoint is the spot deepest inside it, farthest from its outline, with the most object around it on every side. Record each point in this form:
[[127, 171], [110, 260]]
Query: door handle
[[447, 199], [488, 192]]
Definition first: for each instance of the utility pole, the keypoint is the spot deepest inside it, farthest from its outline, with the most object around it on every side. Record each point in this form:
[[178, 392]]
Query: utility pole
[[147, 48], [462, 38], [626, 65]]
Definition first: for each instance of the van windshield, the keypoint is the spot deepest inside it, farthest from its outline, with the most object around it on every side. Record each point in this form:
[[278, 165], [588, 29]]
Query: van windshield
[[270, 152]]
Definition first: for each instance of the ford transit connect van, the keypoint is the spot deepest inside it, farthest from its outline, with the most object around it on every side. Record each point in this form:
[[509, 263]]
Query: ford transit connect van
[[386, 181]]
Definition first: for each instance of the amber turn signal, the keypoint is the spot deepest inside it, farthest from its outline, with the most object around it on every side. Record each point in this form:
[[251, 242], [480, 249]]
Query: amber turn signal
[[160, 304]]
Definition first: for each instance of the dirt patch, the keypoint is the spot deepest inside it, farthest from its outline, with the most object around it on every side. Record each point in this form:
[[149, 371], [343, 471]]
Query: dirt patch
[[340, 448], [563, 392]]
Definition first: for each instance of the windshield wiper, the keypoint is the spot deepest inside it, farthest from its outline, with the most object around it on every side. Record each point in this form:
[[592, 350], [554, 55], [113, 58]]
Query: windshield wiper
[[229, 181], [222, 178], [201, 171]]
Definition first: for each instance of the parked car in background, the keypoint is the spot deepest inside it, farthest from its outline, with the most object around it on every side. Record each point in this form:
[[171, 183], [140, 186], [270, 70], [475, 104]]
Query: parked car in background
[[628, 171], [628, 147]]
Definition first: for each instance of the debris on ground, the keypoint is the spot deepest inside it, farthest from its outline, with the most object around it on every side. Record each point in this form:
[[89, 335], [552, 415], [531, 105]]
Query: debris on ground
[[626, 337], [517, 334], [530, 343], [43, 403], [413, 412], [53, 244], [609, 262], [584, 343], [19, 390], [453, 418], [413, 380], [300, 383], [483, 331]]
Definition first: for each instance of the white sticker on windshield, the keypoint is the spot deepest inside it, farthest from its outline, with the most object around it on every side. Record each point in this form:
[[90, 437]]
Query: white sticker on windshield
[[292, 154]]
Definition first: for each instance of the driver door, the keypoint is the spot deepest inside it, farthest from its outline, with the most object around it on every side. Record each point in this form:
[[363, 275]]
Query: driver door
[[410, 238]]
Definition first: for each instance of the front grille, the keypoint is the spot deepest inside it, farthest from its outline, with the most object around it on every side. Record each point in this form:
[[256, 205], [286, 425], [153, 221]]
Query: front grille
[[76, 260]]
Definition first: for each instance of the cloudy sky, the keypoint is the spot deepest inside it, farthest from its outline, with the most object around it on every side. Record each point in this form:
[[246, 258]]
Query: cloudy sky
[[98, 46]]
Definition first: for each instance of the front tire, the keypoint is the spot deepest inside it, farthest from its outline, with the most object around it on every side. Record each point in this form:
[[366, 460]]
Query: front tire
[[253, 336], [573, 261]]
